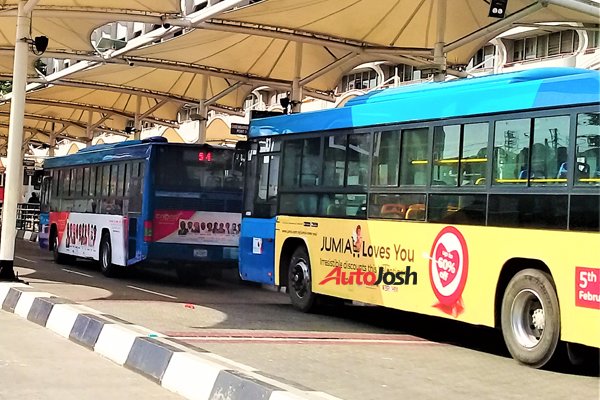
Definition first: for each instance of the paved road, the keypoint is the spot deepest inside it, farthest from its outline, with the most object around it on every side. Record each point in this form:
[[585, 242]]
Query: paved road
[[355, 353], [35, 363]]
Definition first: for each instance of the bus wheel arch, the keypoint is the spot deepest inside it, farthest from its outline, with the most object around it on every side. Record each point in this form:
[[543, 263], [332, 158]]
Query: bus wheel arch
[[509, 270], [287, 250], [53, 244], [105, 254], [530, 314]]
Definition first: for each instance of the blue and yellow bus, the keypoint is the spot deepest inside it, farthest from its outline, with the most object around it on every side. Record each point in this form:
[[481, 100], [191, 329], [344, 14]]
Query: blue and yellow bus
[[474, 199], [136, 201]]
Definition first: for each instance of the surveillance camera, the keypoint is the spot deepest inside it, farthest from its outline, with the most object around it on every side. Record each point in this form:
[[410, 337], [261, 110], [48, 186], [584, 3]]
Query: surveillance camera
[[131, 63], [40, 43], [166, 25]]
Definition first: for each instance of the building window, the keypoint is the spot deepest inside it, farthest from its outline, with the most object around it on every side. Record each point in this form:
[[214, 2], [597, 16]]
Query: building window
[[553, 44], [367, 79], [484, 58], [593, 39]]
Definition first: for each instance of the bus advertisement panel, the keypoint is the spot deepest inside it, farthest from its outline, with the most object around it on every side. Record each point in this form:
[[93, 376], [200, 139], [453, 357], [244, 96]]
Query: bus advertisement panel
[[475, 199]]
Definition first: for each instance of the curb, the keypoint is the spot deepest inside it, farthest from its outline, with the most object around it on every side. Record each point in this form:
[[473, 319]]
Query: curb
[[27, 235], [193, 374]]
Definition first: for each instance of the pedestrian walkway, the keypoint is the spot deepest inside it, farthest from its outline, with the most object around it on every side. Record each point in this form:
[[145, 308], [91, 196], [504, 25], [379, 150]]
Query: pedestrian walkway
[[36, 363]]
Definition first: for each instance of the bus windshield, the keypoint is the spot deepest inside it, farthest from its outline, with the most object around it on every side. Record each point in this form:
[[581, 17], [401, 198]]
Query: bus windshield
[[185, 169]]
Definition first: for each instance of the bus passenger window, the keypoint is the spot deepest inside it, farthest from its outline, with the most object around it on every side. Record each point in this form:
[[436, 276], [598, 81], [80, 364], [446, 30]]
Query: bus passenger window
[[413, 157], [549, 150], [386, 157], [334, 167], [587, 150], [446, 143], [473, 159], [359, 150], [511, 152], [292, 151], [457, 209], [343, 205]]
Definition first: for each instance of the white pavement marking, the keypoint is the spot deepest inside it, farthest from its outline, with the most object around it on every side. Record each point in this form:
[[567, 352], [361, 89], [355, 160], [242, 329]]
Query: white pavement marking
[[152, 292], [26, 259], [77, 273]]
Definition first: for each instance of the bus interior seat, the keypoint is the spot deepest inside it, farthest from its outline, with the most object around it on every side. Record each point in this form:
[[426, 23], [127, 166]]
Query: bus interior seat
[[416, 212], [393, 210]]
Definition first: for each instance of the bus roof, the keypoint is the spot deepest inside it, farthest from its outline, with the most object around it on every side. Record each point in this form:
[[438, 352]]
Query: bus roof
[[523, 90], [121, 151]]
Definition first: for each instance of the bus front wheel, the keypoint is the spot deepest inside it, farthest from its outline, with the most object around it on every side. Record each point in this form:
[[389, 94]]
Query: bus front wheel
[[530, 318], [106, 266], [300, 282]]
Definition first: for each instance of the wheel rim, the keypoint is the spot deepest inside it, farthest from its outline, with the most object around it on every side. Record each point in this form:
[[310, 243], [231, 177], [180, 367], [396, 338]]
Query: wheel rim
[[106, 255], [300, 278], [528, 318]]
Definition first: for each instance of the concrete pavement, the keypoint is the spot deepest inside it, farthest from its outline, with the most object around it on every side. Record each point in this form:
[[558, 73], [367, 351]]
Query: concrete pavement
[[195, 374], [37, 364]]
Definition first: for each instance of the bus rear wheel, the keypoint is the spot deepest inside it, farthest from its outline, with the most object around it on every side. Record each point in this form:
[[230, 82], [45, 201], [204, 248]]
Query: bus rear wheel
[[300, 282], [106, 266], [530, 318], [59, 257]]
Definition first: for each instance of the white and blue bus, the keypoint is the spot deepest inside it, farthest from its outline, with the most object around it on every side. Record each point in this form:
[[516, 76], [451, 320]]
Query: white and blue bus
[[136, 201], [474, 199]]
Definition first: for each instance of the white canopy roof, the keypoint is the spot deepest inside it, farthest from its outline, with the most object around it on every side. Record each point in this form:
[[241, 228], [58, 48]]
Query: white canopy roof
[[398, 25], [68, 24]]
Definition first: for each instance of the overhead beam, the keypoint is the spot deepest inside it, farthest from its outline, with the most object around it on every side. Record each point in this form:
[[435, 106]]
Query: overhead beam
[[205, 70], [91, 107], [118, 89], [307, 37], [48, 118]]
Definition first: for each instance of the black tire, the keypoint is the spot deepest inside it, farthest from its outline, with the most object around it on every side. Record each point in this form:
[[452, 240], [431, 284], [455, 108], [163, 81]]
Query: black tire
[[530, 318], [106, 266], [58, 257], [300, 281]]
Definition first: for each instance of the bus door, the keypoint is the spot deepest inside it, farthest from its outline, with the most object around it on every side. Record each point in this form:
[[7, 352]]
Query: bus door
[[133, 221], [257, 240]]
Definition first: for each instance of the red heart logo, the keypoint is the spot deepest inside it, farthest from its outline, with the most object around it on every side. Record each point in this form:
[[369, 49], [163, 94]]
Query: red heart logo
[[447, 263]]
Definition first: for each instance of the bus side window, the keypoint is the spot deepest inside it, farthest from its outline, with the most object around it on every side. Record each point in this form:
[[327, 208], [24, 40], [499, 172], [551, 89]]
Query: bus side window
[[413, 157]]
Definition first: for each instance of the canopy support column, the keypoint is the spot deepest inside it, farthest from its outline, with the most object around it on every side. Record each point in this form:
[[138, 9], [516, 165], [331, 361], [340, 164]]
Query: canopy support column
[[52, 140], [296, 101], [439, 57], [137, 122], [203, 111], [15, 143], [89, 130]]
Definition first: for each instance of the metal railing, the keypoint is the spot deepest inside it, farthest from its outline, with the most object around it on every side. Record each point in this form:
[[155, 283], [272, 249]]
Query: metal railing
[[28, 216]]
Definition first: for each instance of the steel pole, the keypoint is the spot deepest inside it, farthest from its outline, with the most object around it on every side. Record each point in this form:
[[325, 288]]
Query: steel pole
[[203, 110], [15, 144]]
